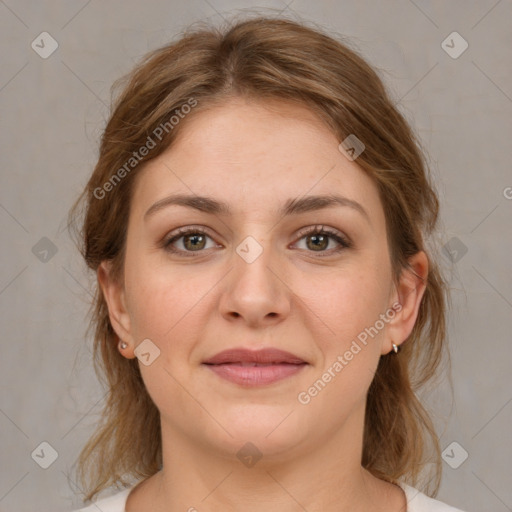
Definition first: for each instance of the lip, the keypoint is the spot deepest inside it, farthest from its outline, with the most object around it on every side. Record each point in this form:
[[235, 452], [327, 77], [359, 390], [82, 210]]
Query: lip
[[263, 356], [250, 376], [250, 368]]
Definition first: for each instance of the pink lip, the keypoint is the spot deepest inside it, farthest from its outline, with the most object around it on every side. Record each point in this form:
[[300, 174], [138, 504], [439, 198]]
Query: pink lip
[[255, 375], [255, 367], [263, 356]]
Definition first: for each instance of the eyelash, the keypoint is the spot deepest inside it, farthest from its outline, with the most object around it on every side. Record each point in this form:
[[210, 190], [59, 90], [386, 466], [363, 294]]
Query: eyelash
[[316, 230]]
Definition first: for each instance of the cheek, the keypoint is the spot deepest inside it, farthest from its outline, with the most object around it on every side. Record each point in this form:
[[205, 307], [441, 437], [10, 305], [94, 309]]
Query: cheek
[[346, 307], [347, 302], [163, 300], [350, 304]]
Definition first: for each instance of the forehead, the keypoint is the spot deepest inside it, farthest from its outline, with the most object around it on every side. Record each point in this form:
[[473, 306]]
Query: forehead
[[242, 128], [254, 155]]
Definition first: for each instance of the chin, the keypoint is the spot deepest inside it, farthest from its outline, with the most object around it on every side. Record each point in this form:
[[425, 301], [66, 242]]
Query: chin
[[272, 429]]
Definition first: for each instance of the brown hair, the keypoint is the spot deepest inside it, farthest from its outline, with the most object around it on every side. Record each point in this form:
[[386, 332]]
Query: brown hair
[[264, 57]]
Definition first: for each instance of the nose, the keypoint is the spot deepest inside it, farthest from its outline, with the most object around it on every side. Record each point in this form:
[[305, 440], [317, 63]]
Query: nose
[[255, 291]]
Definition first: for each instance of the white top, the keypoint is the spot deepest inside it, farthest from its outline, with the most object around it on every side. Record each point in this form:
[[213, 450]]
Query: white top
[[416, 502]]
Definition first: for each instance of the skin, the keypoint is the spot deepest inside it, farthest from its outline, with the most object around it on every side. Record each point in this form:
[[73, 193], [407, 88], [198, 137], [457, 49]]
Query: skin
[[255, 156]]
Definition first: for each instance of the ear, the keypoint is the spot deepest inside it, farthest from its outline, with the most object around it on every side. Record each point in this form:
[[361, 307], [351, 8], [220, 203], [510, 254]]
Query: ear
[[408, 294], [114, 294]]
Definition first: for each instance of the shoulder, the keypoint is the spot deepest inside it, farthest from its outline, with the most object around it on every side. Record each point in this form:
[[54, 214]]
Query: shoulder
[[416, 502], [419, 502], [114, 503]]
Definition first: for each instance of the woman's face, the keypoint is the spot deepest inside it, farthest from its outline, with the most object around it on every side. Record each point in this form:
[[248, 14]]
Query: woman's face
[[254, 278]]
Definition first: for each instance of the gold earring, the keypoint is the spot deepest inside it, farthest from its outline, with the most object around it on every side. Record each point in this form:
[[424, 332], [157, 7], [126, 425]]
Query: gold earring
[[396, 348]]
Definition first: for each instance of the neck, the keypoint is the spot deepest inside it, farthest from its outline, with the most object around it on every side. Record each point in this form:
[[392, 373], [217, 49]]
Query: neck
[[324, 476]]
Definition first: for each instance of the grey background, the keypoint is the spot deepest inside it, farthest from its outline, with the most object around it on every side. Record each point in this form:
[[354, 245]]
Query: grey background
[[52, 112]]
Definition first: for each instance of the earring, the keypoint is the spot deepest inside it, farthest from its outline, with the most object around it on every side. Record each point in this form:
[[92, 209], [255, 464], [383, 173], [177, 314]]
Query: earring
[[396, 348], [122, 344]]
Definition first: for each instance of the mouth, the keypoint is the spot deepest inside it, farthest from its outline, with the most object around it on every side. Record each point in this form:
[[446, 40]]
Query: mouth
[[265, 356], [249, 368], [252, 374], [249, 363]]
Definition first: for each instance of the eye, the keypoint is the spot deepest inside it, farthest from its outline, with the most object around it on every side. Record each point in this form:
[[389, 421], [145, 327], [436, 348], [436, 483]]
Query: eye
[[194, 239], [320, 237]]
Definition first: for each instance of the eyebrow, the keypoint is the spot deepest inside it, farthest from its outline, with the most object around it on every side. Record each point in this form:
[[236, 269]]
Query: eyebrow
[[291, 207]]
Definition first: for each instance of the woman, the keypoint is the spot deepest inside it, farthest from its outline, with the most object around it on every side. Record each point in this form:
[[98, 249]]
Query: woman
[[267, 305]]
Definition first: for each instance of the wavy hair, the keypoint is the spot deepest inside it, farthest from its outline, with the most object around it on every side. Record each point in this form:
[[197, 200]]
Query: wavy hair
[[265, 57]]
